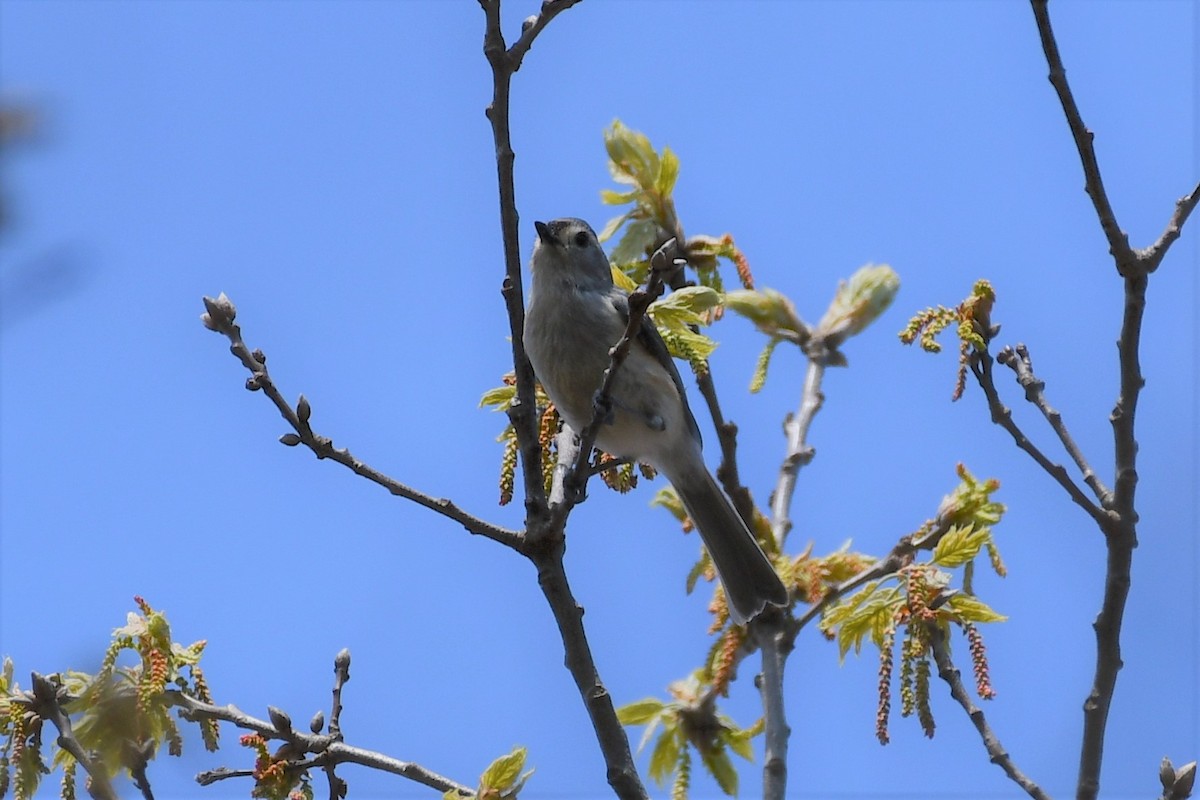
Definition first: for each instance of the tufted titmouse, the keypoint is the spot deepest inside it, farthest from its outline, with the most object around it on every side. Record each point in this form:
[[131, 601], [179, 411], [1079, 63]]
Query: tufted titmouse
[[576, 314]]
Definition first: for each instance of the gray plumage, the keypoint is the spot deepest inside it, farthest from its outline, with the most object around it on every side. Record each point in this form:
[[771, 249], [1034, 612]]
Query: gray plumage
[[575, 315]]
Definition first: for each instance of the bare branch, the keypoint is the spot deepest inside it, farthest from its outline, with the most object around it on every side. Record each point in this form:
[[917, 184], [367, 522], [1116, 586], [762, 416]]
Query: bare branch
[[328, 749], [1118, 240], [1120, 527], [610, 734], [532, 27], [220, 318], [998, 755], [981, 366], [1153, 255], [770, 632], [1019, 362], [341, 674], [799, 452], [544, 544]]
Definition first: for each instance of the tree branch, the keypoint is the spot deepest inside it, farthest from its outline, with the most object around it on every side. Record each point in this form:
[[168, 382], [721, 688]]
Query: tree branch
[[1118, 240], [1019, 362], [327, 748], [996, 752], [981, 366], [610, 734], [220, 318], [45, 699], [798, 452], [1121, 529], [523, 411], [544, 543], [769, 630], [1152, 256]]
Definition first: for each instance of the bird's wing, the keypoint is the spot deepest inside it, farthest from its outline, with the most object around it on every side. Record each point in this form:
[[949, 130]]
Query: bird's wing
[[650, 339]]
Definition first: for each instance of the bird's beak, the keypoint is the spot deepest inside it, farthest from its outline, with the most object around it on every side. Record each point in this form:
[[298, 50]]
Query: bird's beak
[[543, 232]]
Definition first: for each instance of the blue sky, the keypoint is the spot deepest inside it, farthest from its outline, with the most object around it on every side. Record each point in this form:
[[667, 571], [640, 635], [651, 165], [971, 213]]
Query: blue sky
[[329, 167]]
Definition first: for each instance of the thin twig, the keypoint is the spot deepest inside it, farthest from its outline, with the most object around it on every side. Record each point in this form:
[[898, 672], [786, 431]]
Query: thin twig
[[341, 675], [1020, 362], [981, 366], [996, 752], [798, 452], [1152, 256], [328, 749], [1118, 240], [728, 472], [220, 318]]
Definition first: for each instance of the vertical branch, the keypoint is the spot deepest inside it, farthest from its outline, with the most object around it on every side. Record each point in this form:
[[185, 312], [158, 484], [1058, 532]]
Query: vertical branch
[[547, 546], [771, 638], [1118, 241], [1121, 535], [504, 62], [799, 452]]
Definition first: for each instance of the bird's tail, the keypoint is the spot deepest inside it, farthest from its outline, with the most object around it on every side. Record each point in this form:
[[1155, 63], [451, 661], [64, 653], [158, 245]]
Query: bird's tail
[[749, 579]]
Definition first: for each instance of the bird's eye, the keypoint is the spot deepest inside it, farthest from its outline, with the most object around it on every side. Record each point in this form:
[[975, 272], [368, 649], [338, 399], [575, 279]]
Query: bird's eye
[[581, 239]]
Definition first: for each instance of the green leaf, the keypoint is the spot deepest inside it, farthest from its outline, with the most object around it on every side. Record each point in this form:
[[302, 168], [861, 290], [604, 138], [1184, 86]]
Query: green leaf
[[960, 545], [630, 156], [685, 306], [739, 742], [638, 236], [871, 618], [837, 612], [612, 198], [769, 310], [668, 172], [504, 771], [759, 379], [859, 301], [501, 397], [668, 498], [611, 227], [640, 712], [721, 768], [698, 569], [665, 754], [621, 280], [968, 608]]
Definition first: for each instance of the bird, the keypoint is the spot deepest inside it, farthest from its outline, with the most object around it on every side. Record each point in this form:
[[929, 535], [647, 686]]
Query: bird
[[576, 314]]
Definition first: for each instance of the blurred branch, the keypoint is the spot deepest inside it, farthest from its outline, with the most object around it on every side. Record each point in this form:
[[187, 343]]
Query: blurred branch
[[1020, 363], [998, 755], [46, 699], [220, 317]]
